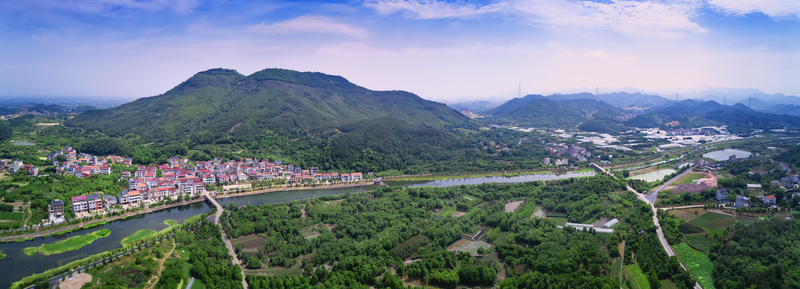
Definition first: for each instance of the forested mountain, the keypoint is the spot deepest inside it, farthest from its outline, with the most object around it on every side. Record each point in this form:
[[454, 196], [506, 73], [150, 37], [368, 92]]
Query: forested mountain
[[220, 102], [618, 99], [692, 113], [536, 110], [474, 106]]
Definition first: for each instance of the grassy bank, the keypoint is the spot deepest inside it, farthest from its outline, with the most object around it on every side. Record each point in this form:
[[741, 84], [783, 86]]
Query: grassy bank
[[72, 243], [58, 270], [95, 224], [139, 235]]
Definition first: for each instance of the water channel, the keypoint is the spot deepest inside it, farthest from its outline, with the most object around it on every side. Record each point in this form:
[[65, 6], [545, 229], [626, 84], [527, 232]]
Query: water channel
[[17, 264]]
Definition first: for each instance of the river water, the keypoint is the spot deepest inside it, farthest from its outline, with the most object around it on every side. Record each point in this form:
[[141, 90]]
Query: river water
[[16, 265]]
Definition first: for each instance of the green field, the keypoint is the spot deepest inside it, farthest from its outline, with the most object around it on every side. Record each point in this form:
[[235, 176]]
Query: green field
[[198, 284], [139, 235], [795, 214], [638, 279], [687, 179], [559, 221], [11, 216], [616, 267], [711, 221], [699, 242], [170, 222], [94, 224], [447, 211], [667, 284], [30, 251], [698, 263], [72, 243]]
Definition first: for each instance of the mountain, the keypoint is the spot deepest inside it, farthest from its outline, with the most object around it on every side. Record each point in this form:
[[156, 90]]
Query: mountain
[[735, 95], [619, 99], [224, 103], [536, 110], [694, 113], [476, 106]]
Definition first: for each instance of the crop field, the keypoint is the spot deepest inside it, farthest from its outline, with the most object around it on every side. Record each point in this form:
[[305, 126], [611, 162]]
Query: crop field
[[139, 235], [699, 242], [72, 243], [638, 279], [512, 206], [408, 247], [688, 215], [667, 284], [711, 221], [468, 246], [698, 263], [616, 267], [688, 178], [447, 211], [251, 243]]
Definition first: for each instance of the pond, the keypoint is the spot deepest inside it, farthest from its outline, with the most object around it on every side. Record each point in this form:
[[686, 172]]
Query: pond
[[18, 265], [496, 179], [723, 155], [654, 176]]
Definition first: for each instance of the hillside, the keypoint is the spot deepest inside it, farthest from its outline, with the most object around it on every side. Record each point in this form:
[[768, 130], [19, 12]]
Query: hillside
[[535, 110], [619, 99], [224, 103], [693, 113]]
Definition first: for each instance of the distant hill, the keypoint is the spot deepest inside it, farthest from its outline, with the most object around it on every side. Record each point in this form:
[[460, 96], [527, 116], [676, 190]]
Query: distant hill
[[224, 103], [476, 106], [619, 99], [693, 113], [536, 110]]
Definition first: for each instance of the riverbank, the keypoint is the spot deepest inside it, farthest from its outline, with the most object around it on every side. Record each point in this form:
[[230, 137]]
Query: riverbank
[[283, 189], [439, 177]]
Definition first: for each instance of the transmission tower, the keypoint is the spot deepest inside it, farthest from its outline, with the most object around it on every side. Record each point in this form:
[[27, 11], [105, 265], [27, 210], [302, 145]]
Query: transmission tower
[[724, 99], [520, 91]]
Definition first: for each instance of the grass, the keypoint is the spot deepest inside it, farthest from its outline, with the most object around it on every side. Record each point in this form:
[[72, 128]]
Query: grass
[[198, 284], [58, 270], [559, 221], [139, 235], [688, 178], [711, 221], [30, 251], [698, 263], [667, 284], [447, 211], [72, 243], [95, 224], [638, 279], [699, 242], [2, 256], [170, 222], [13, 216]]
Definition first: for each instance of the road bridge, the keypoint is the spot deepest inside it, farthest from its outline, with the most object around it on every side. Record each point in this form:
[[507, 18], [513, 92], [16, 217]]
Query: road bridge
[[225, 238]]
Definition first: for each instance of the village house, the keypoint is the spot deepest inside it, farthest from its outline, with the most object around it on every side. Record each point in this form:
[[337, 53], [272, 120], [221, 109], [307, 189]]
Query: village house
[[769, 200], [94, 202], [109, 201], [56, 209], [79, 204], [722, 195]]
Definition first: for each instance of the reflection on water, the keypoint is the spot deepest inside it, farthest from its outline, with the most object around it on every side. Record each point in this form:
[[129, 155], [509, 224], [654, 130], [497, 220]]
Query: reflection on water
[[723, 155], [654, 176]]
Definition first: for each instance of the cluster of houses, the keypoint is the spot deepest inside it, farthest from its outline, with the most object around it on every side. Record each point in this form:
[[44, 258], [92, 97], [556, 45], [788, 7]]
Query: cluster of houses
[[17, 165], [692, 131], [497, 146], [567, 150], [84, 165]]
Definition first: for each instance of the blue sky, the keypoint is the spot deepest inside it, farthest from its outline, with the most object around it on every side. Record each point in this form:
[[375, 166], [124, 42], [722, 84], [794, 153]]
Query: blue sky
[[440, 50]]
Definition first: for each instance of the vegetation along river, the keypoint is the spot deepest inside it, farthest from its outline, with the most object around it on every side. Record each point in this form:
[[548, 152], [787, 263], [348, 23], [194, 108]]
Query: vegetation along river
[[18, 265]]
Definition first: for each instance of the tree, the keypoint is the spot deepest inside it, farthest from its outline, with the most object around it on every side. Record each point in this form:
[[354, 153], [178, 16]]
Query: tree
[[480, 250]]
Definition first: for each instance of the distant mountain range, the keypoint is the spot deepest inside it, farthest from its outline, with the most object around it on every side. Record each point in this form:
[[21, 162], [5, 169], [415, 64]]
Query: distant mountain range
[[695, 113], [540, 111]]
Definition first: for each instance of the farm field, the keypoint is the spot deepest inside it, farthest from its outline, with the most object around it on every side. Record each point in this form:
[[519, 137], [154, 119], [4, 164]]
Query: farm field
[[698, 263], [688, 178], [616, 267], [512, 206], [688, 214], [711, 221], [699, 241], [12, 216], [468, 246], [559, 221], [447, 211], [638, 279], [667, 284], [250, 243]]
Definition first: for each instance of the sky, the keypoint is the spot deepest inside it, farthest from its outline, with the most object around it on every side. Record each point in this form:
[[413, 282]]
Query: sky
[[440, 50]]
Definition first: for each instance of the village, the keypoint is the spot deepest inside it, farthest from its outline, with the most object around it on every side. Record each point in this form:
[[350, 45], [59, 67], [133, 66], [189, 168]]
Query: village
[[176, 180]]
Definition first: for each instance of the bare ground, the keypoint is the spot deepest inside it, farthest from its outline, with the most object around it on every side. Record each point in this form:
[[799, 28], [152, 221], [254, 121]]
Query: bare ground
[[512, 206], [77, 281], [599, 223], [710, 181], [459, 214]]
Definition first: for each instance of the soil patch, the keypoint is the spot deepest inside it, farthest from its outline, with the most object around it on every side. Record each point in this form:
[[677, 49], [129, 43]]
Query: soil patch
[[250, 243], [76, 282], [512, 206], [459, 214], [706, 183], [601, 222]]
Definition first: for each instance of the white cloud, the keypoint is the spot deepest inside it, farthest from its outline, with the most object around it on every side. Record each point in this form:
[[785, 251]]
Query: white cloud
[[311, 24], [599, 54], [432, 9], [772, 8], [657, 18]]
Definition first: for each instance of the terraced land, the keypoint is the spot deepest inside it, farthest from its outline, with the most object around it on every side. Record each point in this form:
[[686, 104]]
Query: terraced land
[[699, 242]]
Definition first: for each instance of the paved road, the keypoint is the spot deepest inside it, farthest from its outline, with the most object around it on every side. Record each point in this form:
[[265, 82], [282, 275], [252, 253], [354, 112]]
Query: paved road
[[683, 207], [654, 194], [225, 237], [660, 233]]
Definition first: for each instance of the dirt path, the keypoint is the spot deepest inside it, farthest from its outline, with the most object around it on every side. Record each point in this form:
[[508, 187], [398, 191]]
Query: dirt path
[[25, 222], [161, 267]]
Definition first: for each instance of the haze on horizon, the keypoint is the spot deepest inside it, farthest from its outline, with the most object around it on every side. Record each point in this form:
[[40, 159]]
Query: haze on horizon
[[440, 50]]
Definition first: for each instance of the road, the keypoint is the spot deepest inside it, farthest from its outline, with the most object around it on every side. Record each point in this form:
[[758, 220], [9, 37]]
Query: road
[[659, 232], [225, 239], [654, 194]]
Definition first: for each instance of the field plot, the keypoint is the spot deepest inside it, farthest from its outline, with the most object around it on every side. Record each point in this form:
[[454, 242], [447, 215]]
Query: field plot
[[447, 211], [688, 214], [699, 242], [468, 246], [698, 263], [689, 178], [11, 216], [667, 284], [559, 220], [711, 221], [512, 206], [616, 267], [408, 247], [539, 213], [251, 243], [638, 279], [795, 214]]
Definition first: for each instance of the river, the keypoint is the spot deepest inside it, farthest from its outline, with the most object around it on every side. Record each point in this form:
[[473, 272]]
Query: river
[[17, 264]]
